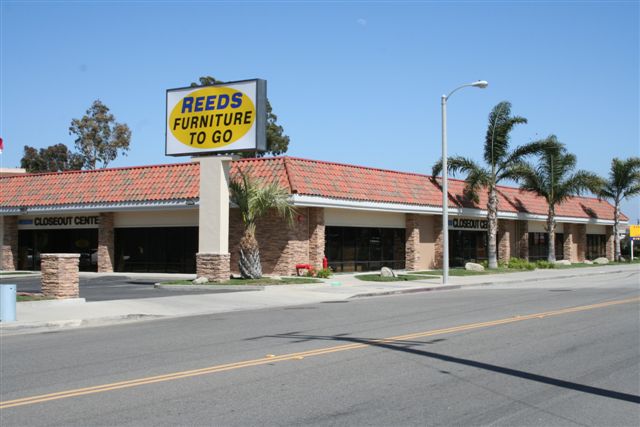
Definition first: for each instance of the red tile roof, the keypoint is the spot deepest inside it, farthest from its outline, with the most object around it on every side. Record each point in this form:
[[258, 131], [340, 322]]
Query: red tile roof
[[299, 176], [135, 184]]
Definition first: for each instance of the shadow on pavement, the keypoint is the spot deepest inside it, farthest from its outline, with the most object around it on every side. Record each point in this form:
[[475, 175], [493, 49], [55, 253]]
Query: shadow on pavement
[[407, 347]]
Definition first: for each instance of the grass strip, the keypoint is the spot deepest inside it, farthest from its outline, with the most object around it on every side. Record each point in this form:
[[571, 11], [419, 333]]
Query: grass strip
[[262, 281], [22, 298]]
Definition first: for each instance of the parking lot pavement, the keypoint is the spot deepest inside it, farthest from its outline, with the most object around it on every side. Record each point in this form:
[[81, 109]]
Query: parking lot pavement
[[117, 287]]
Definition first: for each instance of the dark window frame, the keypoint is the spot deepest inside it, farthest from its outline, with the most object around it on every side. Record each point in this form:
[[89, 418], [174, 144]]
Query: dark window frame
[[352, 249]]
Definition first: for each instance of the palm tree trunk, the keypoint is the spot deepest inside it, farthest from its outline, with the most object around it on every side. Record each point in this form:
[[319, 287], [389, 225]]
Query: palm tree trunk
[[616, 236], [492, 217], [249, 263], [551, 229]]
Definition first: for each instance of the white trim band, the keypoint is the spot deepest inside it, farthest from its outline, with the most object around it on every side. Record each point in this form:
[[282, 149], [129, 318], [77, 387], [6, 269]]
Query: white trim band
[[325, 202]]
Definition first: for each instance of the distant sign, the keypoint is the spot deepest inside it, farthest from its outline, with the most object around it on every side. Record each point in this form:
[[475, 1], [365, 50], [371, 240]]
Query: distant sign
[[634, 231], [219, 118], [70, 221], [468, 224]]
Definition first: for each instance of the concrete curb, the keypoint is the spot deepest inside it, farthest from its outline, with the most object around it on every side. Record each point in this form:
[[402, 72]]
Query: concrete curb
[[407, 291], [211, 287], [541, 279], [36, 327], [460, 286]]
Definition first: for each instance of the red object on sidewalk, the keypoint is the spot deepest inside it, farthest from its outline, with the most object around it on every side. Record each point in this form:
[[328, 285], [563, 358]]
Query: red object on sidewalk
[[325, 263], [303, 267]]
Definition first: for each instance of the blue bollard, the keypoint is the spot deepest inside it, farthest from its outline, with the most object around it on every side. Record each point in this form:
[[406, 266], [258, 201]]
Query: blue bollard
[[7, 303]]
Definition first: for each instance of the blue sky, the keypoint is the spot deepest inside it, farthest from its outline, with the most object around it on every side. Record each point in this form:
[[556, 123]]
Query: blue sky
[[352, 82]]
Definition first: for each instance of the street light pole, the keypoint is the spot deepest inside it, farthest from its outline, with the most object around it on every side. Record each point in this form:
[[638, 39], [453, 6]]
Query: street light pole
[[445, 180]]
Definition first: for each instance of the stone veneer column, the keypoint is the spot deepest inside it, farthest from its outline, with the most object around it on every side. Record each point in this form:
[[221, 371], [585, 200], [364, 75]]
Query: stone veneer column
[[105, 243], [9, 250], [568, 246], [215, 267], [505, 228], [438, 247], [522, 228], [610, 242], [60, 275], [580, 238], [412, 242], [296, 248], [316, 237]]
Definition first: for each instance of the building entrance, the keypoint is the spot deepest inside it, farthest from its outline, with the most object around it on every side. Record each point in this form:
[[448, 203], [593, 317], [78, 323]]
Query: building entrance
[[364, 248], [467, 246], [156, 250], [32, 243]]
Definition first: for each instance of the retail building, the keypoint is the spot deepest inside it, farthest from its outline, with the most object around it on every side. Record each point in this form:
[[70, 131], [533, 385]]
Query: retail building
[[146, 219]]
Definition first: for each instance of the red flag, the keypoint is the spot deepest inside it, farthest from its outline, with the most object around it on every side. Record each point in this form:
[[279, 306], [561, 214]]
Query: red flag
[[1, 146]]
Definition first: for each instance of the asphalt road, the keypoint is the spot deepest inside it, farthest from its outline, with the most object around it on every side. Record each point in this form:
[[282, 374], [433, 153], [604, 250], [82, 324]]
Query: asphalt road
[[512, 355], [105, 288]]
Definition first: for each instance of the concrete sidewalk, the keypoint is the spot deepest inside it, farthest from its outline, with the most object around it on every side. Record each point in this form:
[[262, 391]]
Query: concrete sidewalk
[[39, 316]]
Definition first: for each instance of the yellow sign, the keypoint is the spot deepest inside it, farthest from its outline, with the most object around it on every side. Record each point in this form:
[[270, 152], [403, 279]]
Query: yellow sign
[[634, 231], [212, 117], [225, 117]]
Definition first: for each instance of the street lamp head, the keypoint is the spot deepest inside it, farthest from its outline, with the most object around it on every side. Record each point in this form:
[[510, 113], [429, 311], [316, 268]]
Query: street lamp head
[[480, 83]]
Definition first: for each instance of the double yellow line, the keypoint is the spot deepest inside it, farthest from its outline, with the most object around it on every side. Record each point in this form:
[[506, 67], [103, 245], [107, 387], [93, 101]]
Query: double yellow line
[[295, 356]]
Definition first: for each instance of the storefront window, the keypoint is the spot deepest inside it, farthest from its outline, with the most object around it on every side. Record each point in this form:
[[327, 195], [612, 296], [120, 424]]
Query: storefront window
[[467, 246], [364, 249], [156, 250], [32, 243], [596, 246], [539, 246]]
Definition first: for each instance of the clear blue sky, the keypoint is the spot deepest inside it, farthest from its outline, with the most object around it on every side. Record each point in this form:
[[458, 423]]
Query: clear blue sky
[[353, 82]]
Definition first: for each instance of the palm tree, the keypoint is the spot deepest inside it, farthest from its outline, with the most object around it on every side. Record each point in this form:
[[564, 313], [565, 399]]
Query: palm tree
[[623, 182], [255, 199], [501, 164], [553, 178]]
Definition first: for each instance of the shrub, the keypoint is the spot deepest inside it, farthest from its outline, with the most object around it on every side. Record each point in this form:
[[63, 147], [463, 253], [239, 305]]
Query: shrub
[[485, 264], [545, 264], [521, 264], [325, 273]]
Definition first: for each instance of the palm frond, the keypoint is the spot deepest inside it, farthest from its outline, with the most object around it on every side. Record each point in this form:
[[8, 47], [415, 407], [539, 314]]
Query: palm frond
[[497, 138], [632, 191], [577, 184], [532, 148], [455, 165], [476, 180], [255, 199]]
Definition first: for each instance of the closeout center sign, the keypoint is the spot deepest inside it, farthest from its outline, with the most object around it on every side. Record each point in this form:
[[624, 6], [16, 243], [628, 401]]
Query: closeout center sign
[[220, 118]]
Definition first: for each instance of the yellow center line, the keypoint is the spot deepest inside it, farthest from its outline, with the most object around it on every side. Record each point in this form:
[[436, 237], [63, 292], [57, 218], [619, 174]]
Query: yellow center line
[[296, 356]]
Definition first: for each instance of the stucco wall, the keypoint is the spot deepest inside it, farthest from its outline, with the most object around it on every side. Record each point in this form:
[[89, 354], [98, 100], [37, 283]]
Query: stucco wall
[[356, 218], [427, 246], [159, 218], [539, 227]]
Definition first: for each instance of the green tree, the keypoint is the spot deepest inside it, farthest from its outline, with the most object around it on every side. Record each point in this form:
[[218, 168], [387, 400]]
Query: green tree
[[501, 165], [553, 178], [55, 158], [623, 182], [255, 199], [277, 141], [99, 138]]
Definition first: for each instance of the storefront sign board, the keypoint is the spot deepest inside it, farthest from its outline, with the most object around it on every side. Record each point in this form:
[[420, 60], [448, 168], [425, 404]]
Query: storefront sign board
[[468, 224], [59, 221], [221, 118]]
